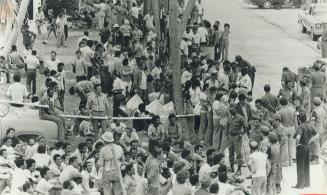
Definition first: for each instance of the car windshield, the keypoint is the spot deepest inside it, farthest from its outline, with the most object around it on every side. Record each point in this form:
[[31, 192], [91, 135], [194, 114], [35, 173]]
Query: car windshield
[[321, 10], [4, 109]]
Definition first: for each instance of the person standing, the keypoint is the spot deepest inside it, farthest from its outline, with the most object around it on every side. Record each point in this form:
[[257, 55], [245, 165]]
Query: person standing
[[52, 63], [152, 169], [60, 31], [317, 81], [269, 100], [259, 166], [217, 34], [282, 139], [64, 13], [274, 148], [32, 63], [110, 159], [17, 92], [318, 116], [305, 96], [303, 135], [323, 153], [289, 121], [17, 60], [39, 19], [51, 26], [225, 42], [28, 37], [235, 132], [98, 106]]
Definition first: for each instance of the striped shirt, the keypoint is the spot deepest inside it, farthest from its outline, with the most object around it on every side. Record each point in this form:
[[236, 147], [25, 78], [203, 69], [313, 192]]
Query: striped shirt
[[98, 102]]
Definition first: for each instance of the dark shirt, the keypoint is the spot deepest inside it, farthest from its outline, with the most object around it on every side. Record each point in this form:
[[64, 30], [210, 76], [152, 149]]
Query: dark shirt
[[236, 124], [306, 131], [270, 102]]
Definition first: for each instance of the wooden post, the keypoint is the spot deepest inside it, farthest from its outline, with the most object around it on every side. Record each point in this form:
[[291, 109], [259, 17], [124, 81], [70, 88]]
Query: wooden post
[[174, 55], [156, 13]]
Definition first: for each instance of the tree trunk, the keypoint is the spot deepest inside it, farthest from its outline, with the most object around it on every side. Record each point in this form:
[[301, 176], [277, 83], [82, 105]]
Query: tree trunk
[[155, 8], [18, 25], [186, 16], [174, 55], [147, 6]]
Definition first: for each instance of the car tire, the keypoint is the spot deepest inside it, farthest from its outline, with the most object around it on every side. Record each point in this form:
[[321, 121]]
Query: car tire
[[313, 36], [267, 4], [304, 29]]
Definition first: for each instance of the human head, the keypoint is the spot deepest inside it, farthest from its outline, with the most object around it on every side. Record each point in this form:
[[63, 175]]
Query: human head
[[57, 159], [45, 173], [53, 55], [82, 148], [10, 132], [182, 176], [50, 92], [97, 88], [30, 164], [267, 88]]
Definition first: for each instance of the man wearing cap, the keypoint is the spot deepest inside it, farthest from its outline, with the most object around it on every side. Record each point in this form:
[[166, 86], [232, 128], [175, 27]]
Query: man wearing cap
[[236, 126], [289, 121], [259, 167], [109, 155], [303, 135], [282, 139], [317, 81], [318, 117]]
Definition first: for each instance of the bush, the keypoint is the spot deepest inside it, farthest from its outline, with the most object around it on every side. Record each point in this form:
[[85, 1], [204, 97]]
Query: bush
[[57, 5]]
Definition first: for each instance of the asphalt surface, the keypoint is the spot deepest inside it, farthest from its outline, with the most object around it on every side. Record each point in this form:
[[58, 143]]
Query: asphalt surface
[[269, 40]]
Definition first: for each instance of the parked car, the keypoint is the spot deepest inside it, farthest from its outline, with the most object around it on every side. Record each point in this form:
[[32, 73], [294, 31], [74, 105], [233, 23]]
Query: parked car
[[26, 122], [267, 4], [312, 19]]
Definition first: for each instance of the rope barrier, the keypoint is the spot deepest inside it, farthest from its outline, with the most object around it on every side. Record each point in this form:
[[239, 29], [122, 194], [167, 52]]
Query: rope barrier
[[25, 104], [121, 118]]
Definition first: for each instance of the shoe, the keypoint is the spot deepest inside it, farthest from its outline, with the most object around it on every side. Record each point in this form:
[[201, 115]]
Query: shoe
[[278, 188], [297, 187]]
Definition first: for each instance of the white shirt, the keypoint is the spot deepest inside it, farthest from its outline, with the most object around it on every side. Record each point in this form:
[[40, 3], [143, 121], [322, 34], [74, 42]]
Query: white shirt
[[17, 92], [67, 173], [196, 38], [225, 188], [43, 186], [204, 170], [118, 84], [244, 82], [186, 76], [258, 162], [19, 178], [135, 12], [203, 33], [52, 65], [39, 16], [41, 160], [184, 47], [32, 62], [143, 83], [141, 185]]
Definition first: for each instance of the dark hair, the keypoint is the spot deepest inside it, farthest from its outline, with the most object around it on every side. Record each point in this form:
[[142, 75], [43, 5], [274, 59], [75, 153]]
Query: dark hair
[[41, 149], [53, 72], [197, 147], [96, 86], [67, 144], [10, 129], [72, 159], [125, 62], [303, 83], [2, 151], [185, 153], [66, 184], [210, 151], [81, 145], [19, 162], [98, 145], [258, 101], [165, 147], [26, 186], [34, 52], [44, 171], [89, 43], [86, 33], [214, 188], [241, 97], [56, 156], [59, 144], [267, 88], [302, 117], [283, 101], [154, 118], [29, 163], [14, 48]]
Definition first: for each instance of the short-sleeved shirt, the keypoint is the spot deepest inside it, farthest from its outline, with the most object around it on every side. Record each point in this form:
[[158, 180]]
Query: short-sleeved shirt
[[43, 187], [32, 62], [52, 64], [156, 132], [17, 92], [305, 130]]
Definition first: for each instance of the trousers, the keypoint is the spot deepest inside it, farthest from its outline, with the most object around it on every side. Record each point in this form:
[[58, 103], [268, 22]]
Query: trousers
[[60, 122], [203, 125], [61, 39], [31, 81], [236, 147], [258, 186], [303, 166], [209, 132]]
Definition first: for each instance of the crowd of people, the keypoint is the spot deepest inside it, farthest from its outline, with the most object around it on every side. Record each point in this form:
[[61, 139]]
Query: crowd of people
[[226, 139]]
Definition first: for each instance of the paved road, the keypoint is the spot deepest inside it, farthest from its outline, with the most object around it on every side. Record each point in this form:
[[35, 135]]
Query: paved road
[[270, 40]]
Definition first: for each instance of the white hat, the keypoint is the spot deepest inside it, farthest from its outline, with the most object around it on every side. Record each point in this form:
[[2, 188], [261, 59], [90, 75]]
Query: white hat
[[116, 26], [108, 137]]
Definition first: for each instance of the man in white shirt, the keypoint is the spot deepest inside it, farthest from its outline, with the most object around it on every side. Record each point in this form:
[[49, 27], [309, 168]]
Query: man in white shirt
[[39, 19], [19, 176], [32, 63], [44, 186], [52, 63], [85, 36], [244, 81], [203, 33], [260, 167], [17, 92], [87, 55], [70, 170]]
